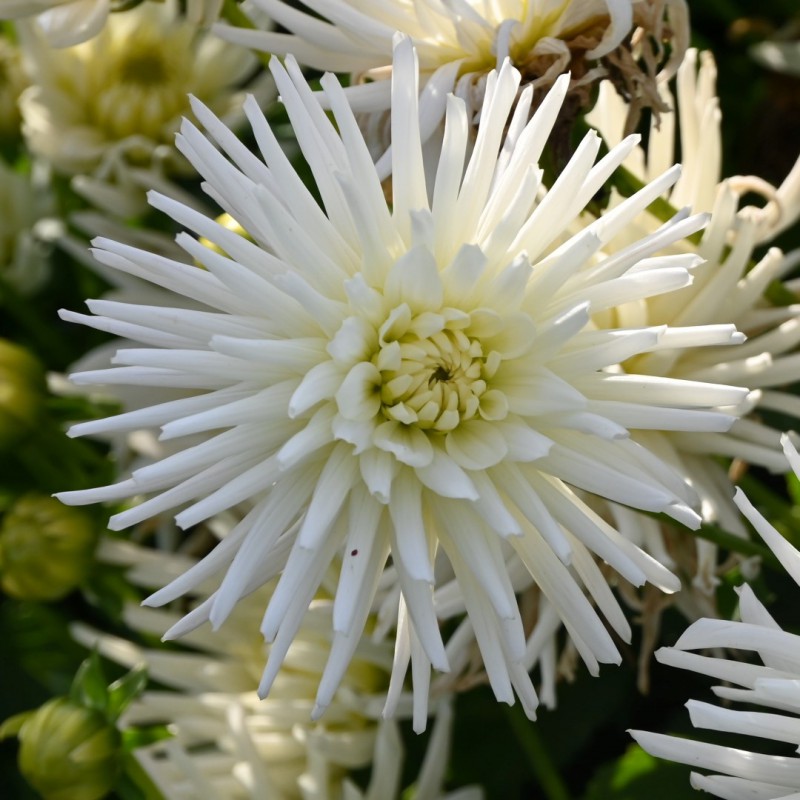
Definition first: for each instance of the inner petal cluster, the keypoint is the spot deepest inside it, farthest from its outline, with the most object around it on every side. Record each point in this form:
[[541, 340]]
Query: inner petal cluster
[[435, 375], [148, 78]]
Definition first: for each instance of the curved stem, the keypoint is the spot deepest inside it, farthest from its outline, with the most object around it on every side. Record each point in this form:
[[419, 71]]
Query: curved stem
[[530, 742]]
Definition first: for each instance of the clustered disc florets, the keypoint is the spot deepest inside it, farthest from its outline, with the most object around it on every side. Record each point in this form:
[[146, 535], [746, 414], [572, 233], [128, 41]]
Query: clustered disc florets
[[433, 372]]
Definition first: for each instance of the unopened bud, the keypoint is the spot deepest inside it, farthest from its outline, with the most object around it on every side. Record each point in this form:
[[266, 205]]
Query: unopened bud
[[22, 389], [46, 548], [68, 752]]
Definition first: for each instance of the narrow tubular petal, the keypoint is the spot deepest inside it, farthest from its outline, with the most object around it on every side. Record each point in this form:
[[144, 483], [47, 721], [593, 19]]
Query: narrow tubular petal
[[413, 544], [365, 553], [738, 763], [274, 517], [408, 174], [332, 488]]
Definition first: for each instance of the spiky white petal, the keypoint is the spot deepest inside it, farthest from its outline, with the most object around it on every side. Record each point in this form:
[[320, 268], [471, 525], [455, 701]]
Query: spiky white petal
[[775, 685]]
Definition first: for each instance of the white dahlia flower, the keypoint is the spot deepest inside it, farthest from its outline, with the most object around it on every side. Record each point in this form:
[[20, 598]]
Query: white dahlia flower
[[774, 685], [225, 741], [65, 23], [458, 44], [408, 381], [728, 287], [116, 101]]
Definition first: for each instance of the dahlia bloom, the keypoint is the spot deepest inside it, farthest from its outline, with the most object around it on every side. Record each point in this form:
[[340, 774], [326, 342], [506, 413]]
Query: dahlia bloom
[[728, 287], [775, 685], [410, 381], [228, 743], [65, 23], [458, 44], [116, 101]]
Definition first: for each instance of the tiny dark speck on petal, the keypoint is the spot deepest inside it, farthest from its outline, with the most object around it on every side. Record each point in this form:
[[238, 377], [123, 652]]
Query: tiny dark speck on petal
[[354, 552]]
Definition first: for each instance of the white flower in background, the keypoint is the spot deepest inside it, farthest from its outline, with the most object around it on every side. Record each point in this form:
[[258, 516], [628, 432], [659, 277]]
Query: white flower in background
[[775, 685], [410, 381], [63, 23], [24, 201], [116, 101], [458, 44], [228, 743], [727, 287]]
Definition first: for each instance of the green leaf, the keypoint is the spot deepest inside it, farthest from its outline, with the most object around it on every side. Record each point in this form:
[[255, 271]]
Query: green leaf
[[38, 651], [90, 687], [636, 775], [141, 736]]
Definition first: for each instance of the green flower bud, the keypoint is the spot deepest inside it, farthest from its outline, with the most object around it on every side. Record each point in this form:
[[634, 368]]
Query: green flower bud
[[46, 548], [22, 390], [68, 752]]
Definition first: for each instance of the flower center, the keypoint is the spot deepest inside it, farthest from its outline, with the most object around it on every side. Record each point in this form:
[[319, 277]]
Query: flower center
[[142, 91], [144, 68], [432, 382]]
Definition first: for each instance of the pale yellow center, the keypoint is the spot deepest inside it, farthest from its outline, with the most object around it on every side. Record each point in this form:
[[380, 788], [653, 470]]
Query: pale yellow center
[[143, 84], [437, 381]]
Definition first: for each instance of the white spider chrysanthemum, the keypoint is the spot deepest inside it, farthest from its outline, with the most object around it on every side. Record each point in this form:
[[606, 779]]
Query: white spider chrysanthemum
[[773, 685], [406, 381], [65, 23], [116, 101], [226, 742], [451, 39], [458, 44], [728, 287]]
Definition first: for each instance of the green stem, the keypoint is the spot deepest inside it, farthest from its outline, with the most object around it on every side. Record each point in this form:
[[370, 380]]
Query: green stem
[[531, 744], [772, 505], [135, 783], [738, 545], [627, 184]]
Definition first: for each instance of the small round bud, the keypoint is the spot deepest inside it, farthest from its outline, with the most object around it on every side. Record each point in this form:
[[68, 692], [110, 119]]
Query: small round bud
[[22, 389], [68, 752], [46, 548]]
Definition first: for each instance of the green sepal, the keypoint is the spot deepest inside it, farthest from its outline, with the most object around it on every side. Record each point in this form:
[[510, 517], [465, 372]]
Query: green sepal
[[90, 688], [11, 726], [124, 690]]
